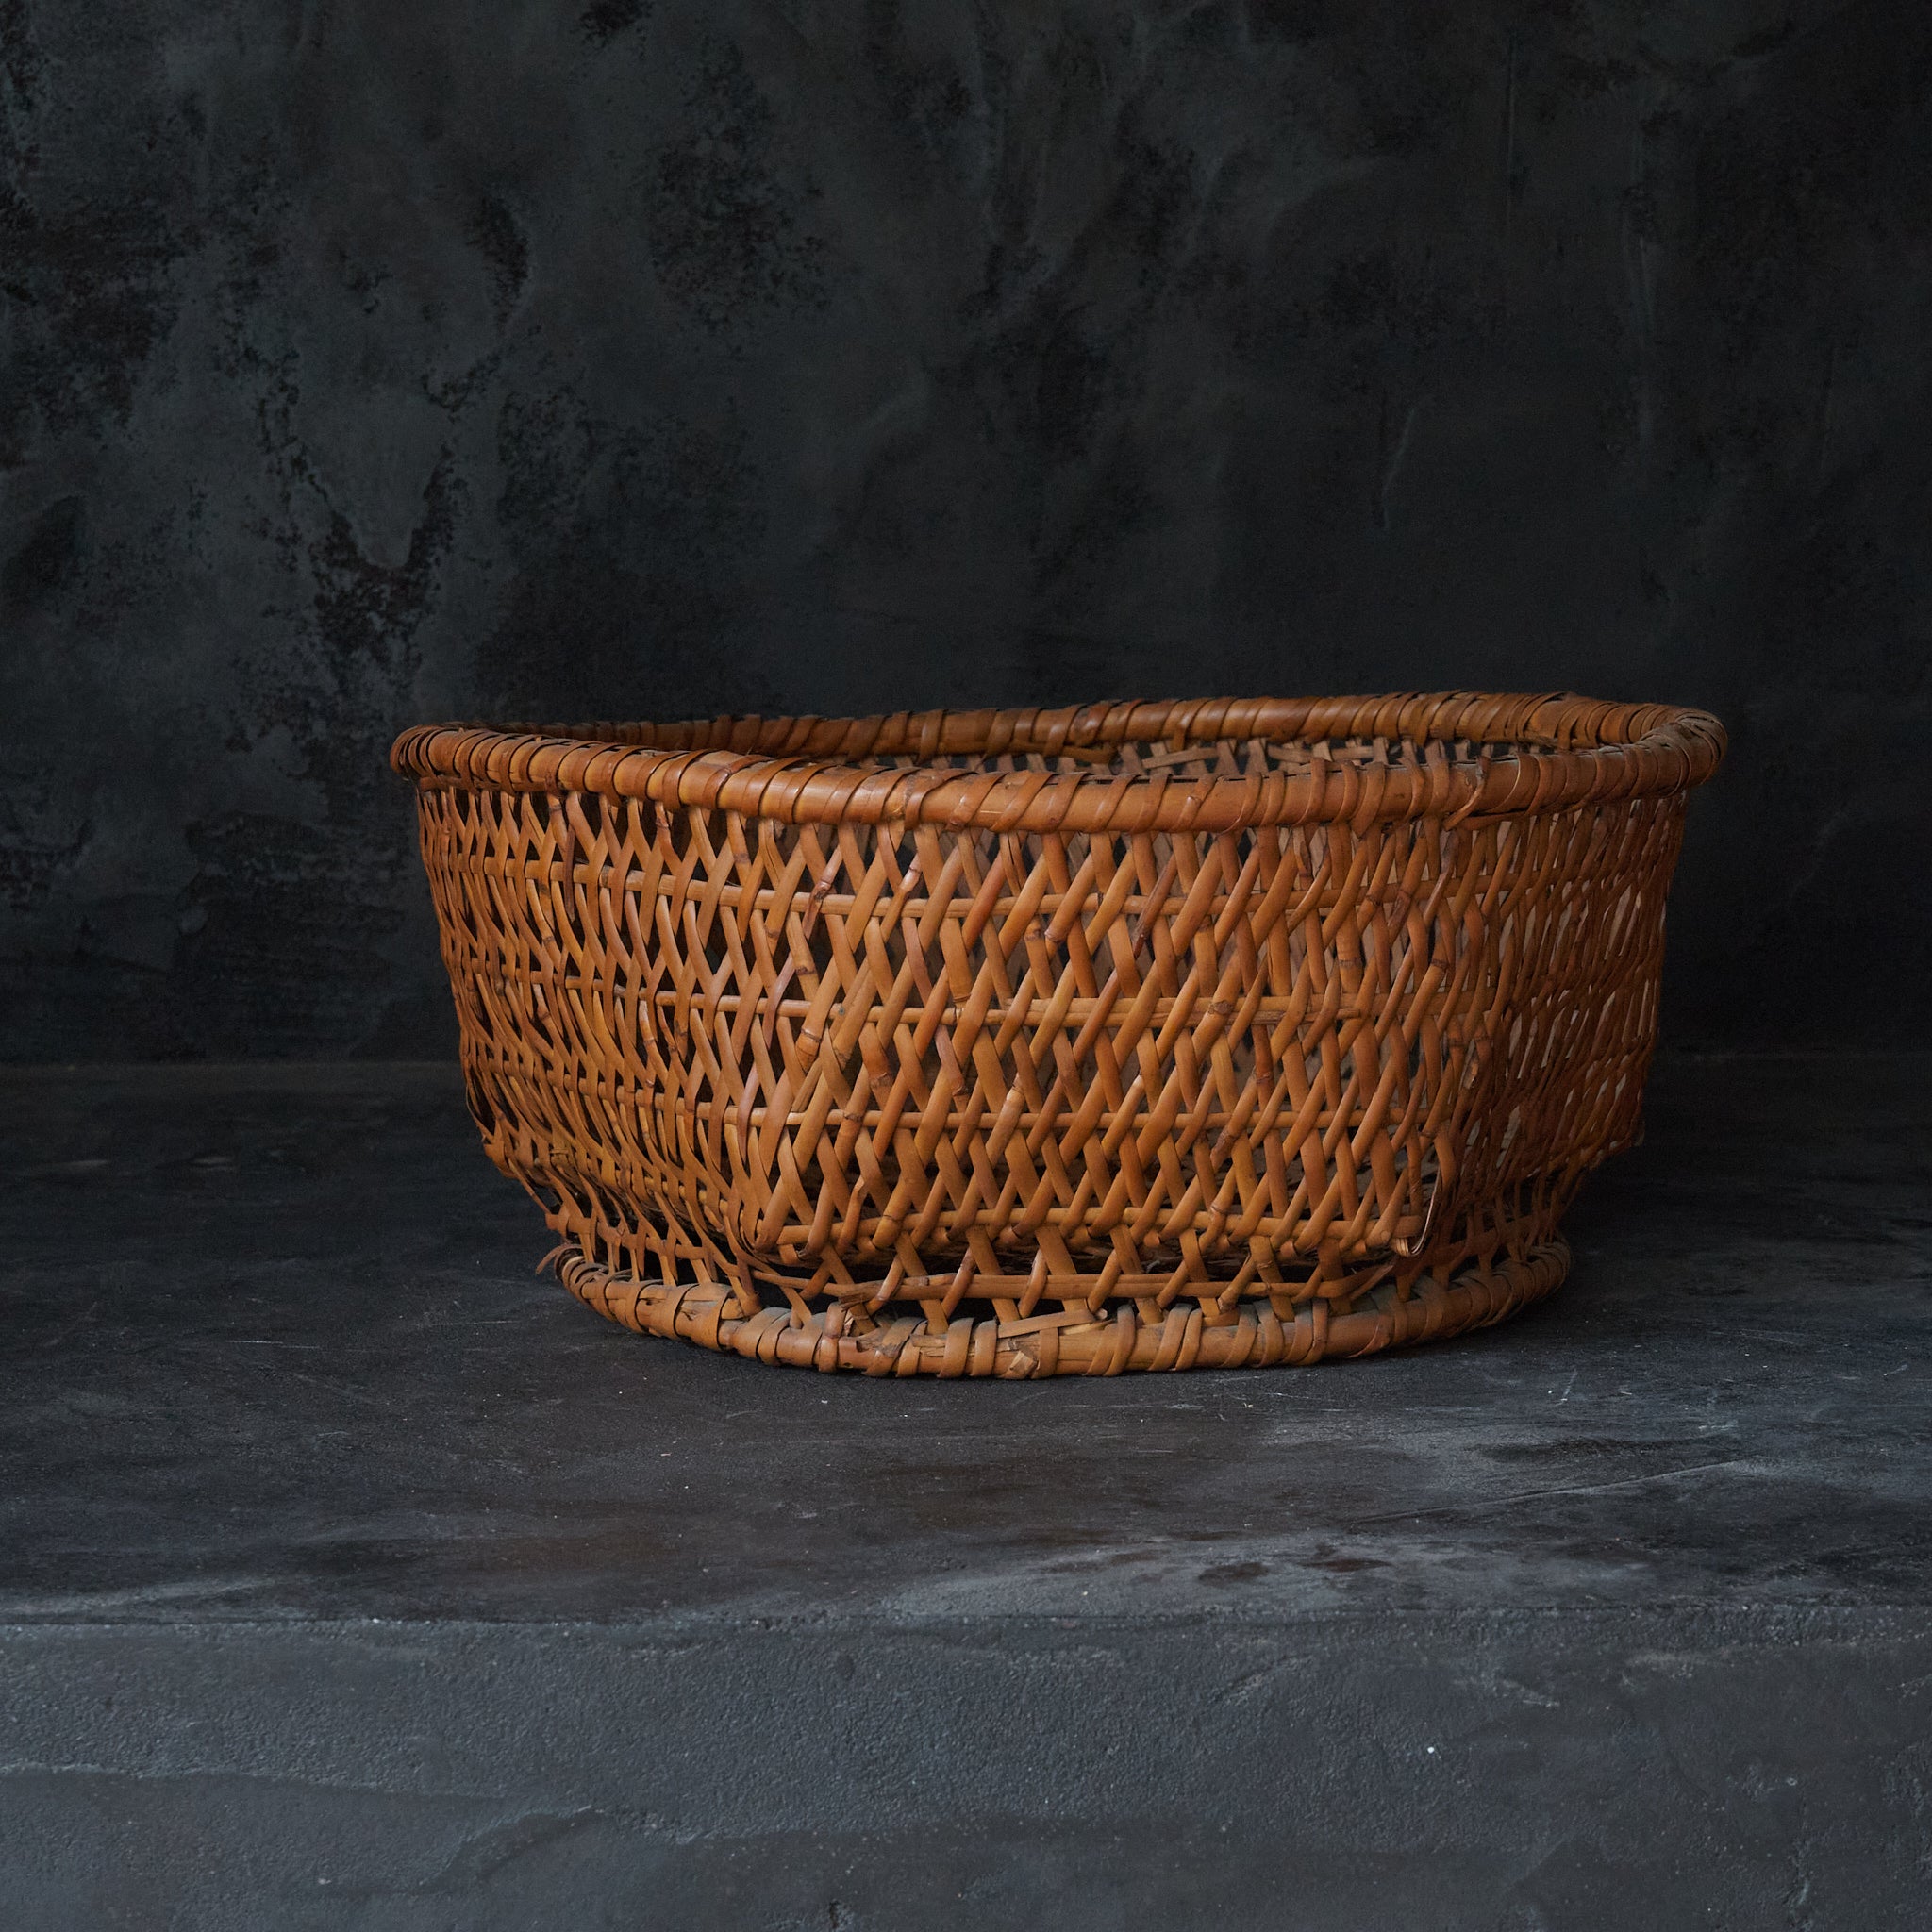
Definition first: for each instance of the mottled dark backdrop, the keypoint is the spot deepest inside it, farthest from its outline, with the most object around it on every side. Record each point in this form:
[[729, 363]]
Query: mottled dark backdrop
[[373, 362]]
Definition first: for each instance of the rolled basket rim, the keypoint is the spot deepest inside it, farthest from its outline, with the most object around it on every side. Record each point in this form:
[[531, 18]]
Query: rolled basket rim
[[1560, 750]]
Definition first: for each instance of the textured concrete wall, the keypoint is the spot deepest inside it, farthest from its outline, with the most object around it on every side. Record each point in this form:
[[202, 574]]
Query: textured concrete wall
[[365, 363]]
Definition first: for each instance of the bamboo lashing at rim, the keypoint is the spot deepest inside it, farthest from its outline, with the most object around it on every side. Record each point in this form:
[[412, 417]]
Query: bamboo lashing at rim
[[1047, 1041]]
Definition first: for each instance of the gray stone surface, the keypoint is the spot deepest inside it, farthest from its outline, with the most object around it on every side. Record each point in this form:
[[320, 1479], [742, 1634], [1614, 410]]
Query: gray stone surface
[[366, 362], [352, 1577]]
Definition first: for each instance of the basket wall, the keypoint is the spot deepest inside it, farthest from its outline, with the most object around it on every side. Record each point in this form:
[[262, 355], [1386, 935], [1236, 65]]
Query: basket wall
[[907, 1095]]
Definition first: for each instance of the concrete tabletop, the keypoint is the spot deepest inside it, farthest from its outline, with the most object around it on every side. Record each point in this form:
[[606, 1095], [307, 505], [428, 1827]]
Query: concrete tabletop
[[351, 1574]]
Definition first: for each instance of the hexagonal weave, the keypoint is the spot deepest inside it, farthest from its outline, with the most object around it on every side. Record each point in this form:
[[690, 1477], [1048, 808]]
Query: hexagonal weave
[[1030, 1042]]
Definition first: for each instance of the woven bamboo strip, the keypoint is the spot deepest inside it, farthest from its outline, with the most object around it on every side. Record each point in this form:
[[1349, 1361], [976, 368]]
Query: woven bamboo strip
[[1033, 1042]]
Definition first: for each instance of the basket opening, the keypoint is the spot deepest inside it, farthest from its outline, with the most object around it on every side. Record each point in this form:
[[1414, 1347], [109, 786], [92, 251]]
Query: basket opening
[[1176, 756]]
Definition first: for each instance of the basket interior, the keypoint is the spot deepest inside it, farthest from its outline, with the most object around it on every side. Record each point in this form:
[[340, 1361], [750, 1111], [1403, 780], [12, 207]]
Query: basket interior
[[1176, 756]]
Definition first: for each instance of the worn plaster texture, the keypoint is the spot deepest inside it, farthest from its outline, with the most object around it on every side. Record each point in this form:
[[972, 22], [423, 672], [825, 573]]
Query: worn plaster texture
[[361, 363]]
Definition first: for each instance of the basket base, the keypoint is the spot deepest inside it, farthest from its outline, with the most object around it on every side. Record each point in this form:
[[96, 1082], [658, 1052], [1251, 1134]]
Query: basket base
[[709, 1314]]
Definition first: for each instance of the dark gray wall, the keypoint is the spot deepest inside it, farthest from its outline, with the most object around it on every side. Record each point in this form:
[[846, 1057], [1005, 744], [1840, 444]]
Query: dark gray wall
[[366, 363]]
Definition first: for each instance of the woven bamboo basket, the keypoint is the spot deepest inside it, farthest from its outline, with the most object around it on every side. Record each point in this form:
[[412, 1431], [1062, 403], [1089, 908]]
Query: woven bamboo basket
[[1034, 1043]]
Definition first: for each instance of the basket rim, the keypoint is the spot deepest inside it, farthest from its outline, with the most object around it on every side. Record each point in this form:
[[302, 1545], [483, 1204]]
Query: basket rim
[[1566, 751]]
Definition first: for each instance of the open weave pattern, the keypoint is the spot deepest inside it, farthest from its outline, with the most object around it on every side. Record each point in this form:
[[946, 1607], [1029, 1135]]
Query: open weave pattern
[[1029, 1043]]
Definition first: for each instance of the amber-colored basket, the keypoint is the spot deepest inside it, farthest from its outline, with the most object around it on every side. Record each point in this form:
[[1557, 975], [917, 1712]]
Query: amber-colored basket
[[1034, 1043]]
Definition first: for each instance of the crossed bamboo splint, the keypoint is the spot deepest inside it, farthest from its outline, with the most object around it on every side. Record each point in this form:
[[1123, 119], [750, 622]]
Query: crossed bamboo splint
[[1143, 1036]]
